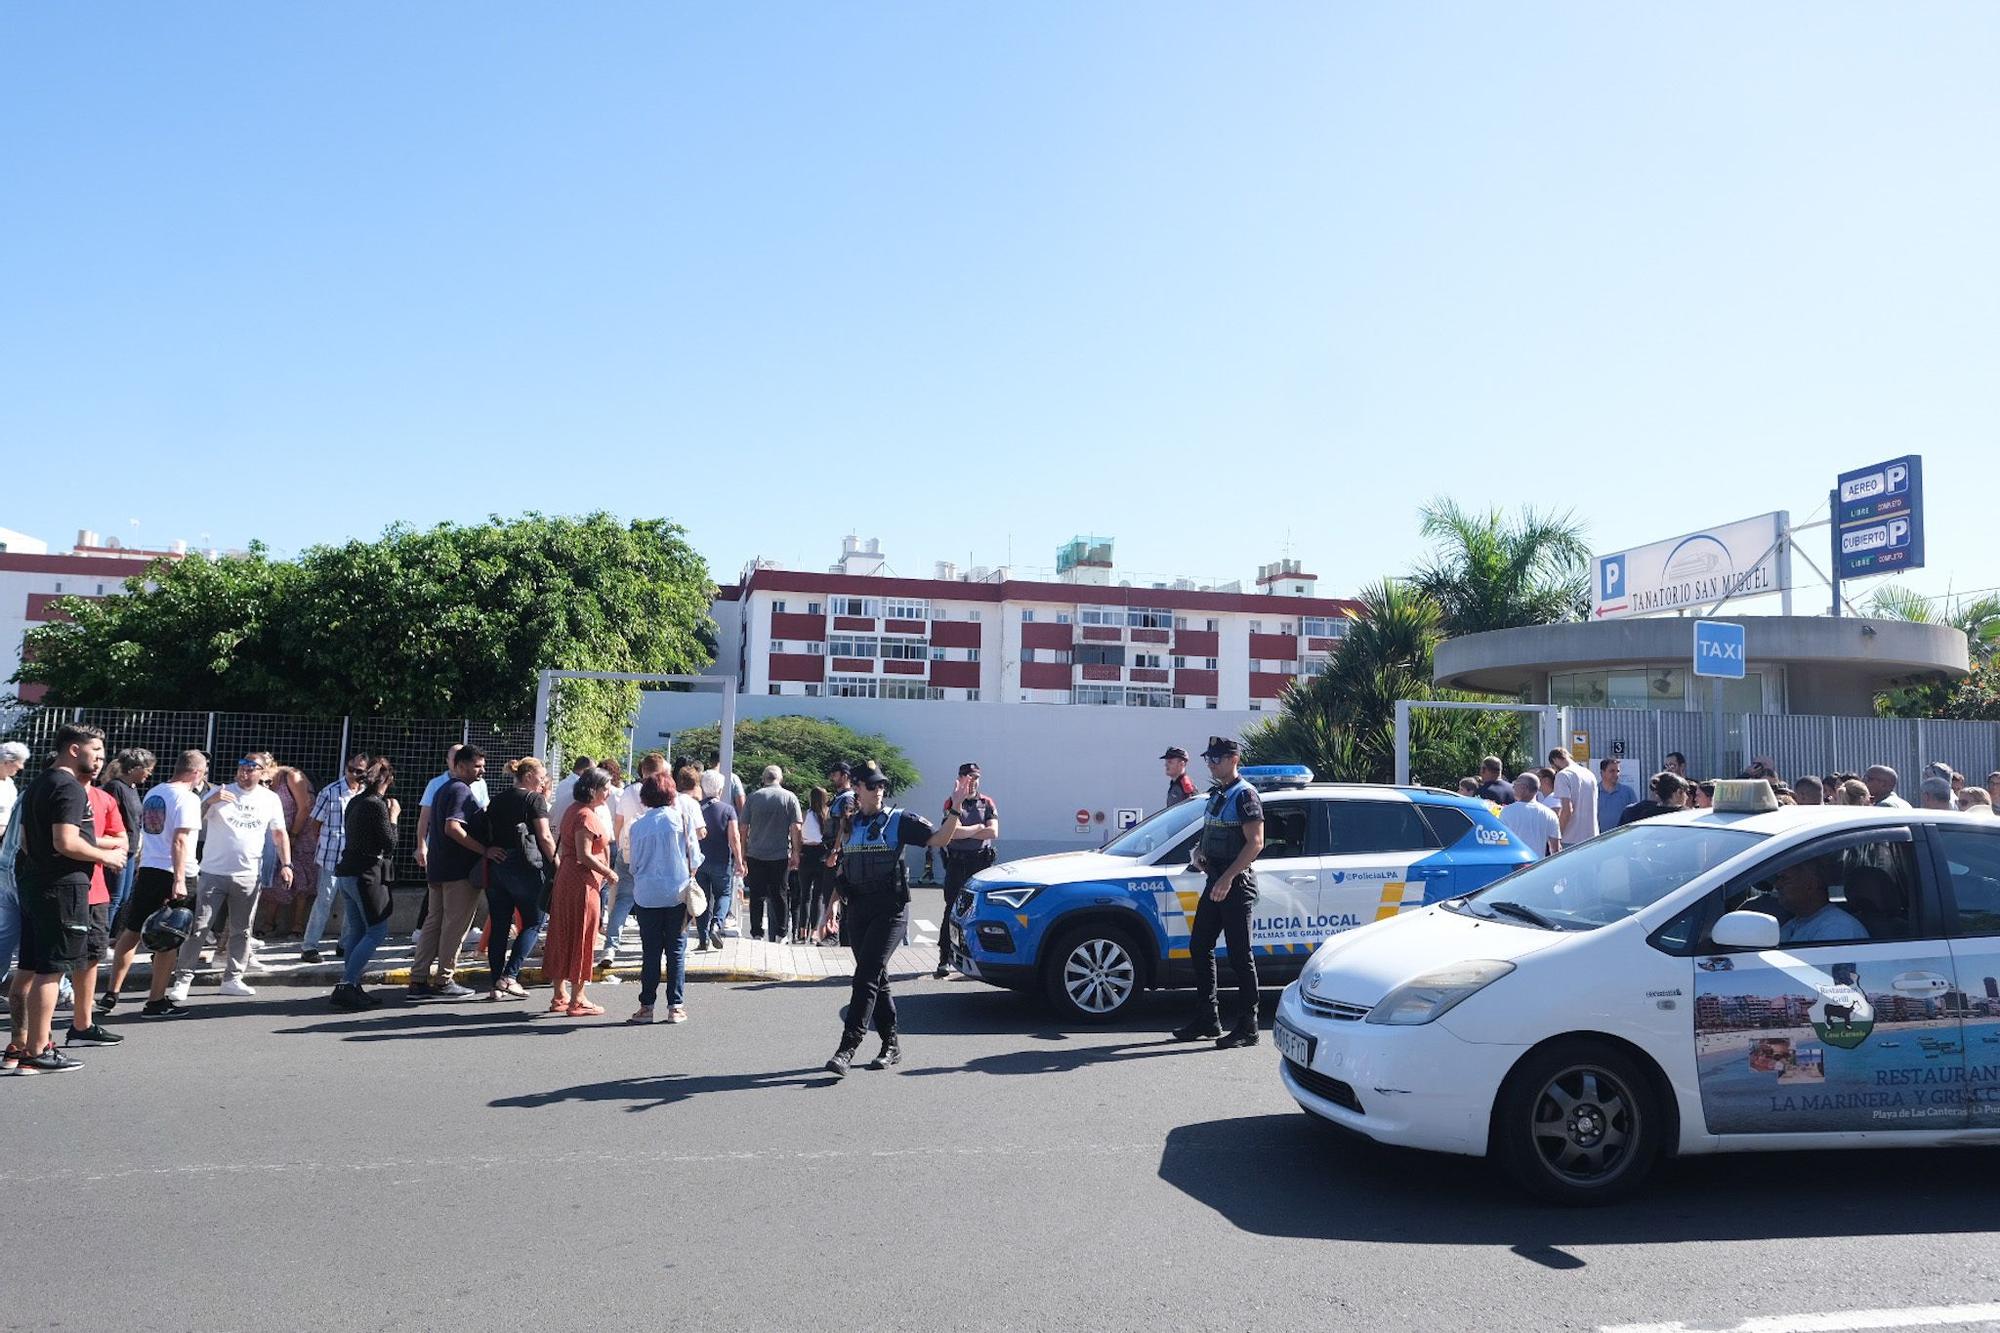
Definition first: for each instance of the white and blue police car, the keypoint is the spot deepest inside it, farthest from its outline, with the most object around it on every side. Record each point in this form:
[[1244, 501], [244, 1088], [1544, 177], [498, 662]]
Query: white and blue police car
[[1091, 930]]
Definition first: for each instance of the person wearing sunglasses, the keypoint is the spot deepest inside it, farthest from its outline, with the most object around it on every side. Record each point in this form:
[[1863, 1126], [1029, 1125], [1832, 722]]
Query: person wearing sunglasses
[[329, 821]]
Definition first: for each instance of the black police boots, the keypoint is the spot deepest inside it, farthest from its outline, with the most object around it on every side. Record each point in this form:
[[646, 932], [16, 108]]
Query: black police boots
[[1243, 1034], [842, 1058], [889, 1056], [1202, 1029]]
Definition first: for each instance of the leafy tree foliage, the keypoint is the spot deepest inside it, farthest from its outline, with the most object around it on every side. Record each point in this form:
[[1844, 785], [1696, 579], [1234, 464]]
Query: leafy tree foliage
[[1487, 571], [802, 746], [1970, 700], [448, 621]]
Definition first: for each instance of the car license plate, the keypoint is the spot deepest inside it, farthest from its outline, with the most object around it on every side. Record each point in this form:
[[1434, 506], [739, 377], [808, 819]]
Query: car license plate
[[1294, 1045]]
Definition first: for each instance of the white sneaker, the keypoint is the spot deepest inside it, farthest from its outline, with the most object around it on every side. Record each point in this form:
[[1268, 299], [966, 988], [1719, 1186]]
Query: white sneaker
[[177, 990], [236, 986], [677, 1014], [606, 980]]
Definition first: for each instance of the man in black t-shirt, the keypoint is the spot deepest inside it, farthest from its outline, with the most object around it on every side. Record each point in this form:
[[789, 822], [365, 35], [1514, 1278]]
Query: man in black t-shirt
[[52, 871], [1493, 786]]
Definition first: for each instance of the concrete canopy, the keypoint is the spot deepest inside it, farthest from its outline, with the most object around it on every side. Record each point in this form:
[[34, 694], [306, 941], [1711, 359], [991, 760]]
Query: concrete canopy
[[1832, 666]]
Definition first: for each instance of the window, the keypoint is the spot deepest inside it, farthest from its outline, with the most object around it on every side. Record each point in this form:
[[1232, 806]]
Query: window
[[1146, 617], [1287, 830], [909, 689], [814, 608], [100, 590], [1448, 823], [1974, 862], [1180, 663], [907, 608], [1870, 876], [1366, 827], [1099, 654], [1256, 627], [842, 645], [1286, 627], [1100, 615], [777, 608], [1326, 627], [1028, 616], [854, 606], [1611, 877], [1151, 661], [777, 645], [1059, 656], [972, 696], [973, 614], [812, 690], [907, 650], [1149, 698], [777, 688], [1062, 617], [816, 648], [851, 687], [1098, 694], [972, 654], [1180, 622]]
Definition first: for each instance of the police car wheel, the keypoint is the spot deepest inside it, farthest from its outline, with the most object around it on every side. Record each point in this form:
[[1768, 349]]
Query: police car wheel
[[1578, 1123], [1092, 975]]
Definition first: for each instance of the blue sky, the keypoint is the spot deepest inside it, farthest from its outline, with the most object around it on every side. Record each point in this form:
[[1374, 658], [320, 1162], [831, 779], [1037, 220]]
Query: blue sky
[[1206, 279]]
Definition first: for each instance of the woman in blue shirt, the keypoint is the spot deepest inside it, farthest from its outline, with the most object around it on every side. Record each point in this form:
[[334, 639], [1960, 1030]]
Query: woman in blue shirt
[[662, 865]]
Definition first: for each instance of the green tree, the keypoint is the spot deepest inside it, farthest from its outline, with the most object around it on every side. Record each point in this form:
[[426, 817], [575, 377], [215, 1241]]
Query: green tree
[[1488, 571], [1977, 618], [448, 621], [1342, 721], [802, 746]]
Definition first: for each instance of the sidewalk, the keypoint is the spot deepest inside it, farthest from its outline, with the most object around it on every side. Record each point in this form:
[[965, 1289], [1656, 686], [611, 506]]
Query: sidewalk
[[739, 959]]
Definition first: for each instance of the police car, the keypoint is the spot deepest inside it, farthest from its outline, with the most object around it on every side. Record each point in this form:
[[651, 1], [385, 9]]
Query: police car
[[1092, 930], [1751, 977]]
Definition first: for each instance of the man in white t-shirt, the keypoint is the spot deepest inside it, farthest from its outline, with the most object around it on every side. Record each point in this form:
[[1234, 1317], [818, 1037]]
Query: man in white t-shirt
[[169, 820], [564, 796], [238, 820], [1576, 799], [1531, 821]]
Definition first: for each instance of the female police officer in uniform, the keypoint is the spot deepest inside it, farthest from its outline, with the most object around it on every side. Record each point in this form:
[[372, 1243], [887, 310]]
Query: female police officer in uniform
[[874, 885], [1232, 833]]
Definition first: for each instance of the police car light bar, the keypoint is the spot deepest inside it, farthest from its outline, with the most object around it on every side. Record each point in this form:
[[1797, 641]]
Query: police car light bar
[[1277, 775], [1745, 796]]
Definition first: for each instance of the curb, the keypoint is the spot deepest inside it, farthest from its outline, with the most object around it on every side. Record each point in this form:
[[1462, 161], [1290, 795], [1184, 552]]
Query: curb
[[326, 978]]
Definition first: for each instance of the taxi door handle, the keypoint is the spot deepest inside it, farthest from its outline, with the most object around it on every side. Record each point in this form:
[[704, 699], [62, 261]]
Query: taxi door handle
[[1302, 879]]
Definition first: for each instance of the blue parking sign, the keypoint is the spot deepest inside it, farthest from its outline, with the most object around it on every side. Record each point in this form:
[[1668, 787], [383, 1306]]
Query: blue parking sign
[[1718, 649]]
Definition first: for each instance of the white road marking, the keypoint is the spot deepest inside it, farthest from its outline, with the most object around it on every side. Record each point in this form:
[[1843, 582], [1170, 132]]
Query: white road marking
[[1839, 1321]]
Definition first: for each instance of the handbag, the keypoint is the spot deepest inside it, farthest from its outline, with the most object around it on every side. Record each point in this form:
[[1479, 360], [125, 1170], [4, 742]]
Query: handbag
[[695, 899]]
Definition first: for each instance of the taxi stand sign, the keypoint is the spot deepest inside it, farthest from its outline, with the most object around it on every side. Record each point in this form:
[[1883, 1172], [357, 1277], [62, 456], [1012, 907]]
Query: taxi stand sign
[[1718, 650]]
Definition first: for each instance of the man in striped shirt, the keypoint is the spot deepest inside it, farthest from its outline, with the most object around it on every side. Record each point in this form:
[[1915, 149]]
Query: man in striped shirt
[[329, 816]]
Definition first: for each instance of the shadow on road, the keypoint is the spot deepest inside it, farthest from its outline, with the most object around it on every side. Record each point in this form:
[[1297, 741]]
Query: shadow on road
[[427, 1022], [1285, 1175], [651, 1091]]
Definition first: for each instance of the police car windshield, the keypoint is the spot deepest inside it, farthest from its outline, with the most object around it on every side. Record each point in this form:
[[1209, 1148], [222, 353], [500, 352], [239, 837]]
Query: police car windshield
[[1158, 832], [1607, 879]]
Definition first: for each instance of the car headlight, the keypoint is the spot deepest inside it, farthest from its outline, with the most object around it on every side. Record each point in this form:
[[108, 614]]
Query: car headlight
[[1015, 898], [1432, 995]]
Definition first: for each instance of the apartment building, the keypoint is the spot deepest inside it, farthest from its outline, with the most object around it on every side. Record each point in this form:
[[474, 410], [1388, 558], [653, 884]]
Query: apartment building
[[858, 631], [32, 578]]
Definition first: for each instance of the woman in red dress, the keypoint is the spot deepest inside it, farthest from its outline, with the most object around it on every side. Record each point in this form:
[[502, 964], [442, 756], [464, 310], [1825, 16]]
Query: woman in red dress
[[583, 868]]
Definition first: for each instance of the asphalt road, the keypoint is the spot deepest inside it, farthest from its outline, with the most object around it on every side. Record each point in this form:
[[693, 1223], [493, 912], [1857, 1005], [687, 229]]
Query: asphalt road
[[271, 1164]]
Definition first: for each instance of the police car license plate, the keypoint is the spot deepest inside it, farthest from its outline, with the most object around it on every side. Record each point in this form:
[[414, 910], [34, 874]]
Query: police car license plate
[[1294, 1045]]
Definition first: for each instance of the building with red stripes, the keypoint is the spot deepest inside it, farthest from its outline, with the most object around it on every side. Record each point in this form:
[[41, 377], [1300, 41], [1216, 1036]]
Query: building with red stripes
[[1084, 638], [32, 579]]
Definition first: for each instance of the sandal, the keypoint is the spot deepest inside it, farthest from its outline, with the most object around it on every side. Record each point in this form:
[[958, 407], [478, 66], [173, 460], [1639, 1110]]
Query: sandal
[[512, 989], [583, 1009]]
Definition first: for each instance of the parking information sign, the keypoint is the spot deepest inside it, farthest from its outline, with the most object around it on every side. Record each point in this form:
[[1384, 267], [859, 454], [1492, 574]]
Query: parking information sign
[[1878, 519], [1718, 649]]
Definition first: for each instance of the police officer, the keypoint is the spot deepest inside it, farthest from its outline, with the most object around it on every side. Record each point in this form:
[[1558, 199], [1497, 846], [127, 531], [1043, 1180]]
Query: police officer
[[874, 887], [1179, 785], [1232, 834], [969, 852]]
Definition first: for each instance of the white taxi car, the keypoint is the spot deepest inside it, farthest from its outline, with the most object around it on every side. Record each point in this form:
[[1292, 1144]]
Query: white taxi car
[[1745, 978]]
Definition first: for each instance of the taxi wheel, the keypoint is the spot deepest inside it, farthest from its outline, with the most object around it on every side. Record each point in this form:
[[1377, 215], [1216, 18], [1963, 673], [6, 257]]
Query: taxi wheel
[[1578, 1123], [1092, 975]]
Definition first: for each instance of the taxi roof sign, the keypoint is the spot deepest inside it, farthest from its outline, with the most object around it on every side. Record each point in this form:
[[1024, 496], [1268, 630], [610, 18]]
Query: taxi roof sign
[[1262, 776], [1747, 796]]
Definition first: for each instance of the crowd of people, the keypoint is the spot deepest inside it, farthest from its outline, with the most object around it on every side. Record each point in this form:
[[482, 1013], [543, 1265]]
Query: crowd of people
[[1561, 805], [100, 863]]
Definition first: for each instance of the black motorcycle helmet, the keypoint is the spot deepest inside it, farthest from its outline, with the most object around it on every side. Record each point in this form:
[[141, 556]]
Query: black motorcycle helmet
[[167, 928]]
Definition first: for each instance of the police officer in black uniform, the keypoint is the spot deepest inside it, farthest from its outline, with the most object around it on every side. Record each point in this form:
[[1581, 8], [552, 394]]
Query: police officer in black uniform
[[969, 852], [1232, 834], [1180, 787], [874, 886]]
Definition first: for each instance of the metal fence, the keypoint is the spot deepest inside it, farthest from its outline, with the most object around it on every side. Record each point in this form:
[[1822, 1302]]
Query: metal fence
[[316, 746], [1796, 744]]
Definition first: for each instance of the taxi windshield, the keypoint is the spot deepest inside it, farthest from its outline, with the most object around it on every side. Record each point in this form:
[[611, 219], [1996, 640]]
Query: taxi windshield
[[1158, 832], [1607, 879]]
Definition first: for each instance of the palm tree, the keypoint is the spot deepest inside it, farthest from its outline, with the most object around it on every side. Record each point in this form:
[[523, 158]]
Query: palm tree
[[1487, 571], [1976, 618]]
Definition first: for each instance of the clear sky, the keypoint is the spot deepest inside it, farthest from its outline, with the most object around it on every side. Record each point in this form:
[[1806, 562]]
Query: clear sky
[[1208, 279]]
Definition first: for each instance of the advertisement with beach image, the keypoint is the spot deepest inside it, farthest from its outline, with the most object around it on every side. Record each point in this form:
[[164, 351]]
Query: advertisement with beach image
[[1855, 1037]]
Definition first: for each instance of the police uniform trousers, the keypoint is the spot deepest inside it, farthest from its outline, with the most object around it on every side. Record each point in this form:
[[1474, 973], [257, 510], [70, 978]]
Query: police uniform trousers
[[874, 924], [957, 871], [1230, 919]]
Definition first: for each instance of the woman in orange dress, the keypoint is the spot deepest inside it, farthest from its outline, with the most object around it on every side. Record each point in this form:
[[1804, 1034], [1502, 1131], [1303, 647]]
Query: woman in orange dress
[[583, 868]]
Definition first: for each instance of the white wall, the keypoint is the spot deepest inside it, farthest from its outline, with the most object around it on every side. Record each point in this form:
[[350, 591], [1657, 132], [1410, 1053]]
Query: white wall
[[1041, 763]]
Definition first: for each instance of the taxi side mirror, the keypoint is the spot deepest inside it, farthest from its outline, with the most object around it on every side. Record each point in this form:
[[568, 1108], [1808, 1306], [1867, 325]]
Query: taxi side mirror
[[1745, 930]]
